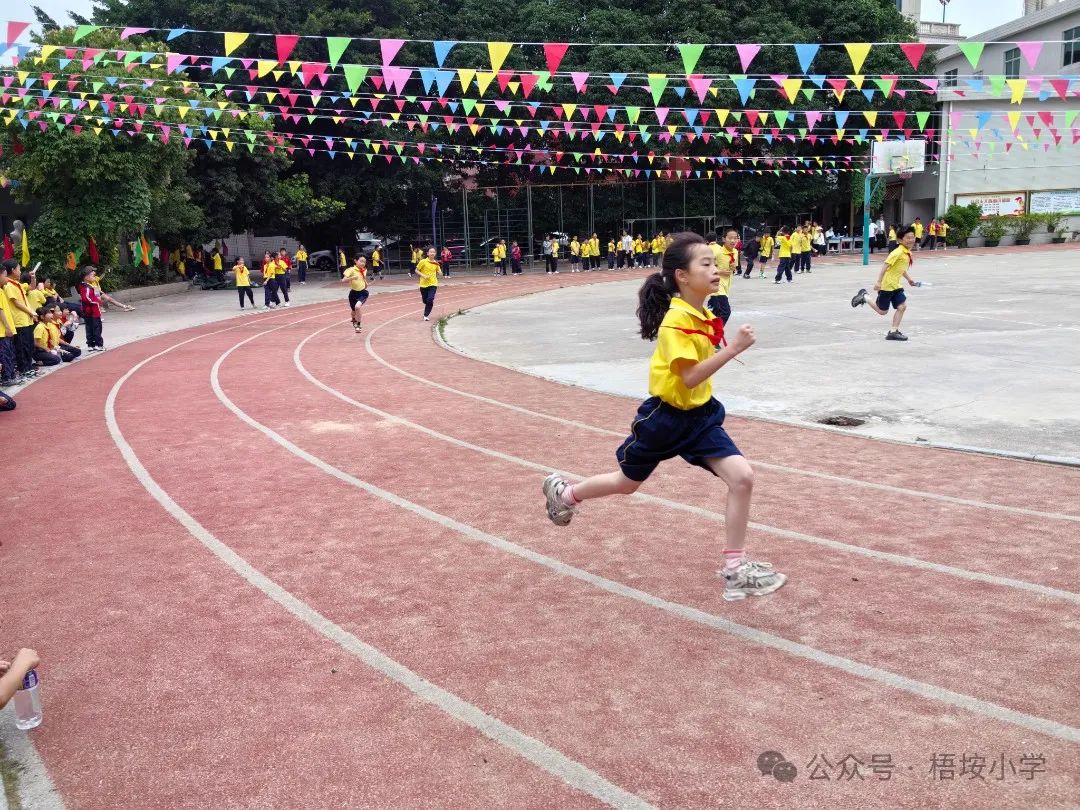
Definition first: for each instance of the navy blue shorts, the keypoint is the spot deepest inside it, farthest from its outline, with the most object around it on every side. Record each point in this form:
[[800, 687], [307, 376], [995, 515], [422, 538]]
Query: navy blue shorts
[[894, 297], [661, 431], [357, 295], [720, 307]]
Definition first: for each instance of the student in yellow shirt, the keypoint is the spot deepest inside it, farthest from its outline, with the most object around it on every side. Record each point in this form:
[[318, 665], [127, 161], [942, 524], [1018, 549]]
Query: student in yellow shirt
[[611, 251], [575, 255], [376, 262], [918, 226], [301, 264], [797, 249], [555, 247], [681, 417], [46, 352], [9, 367], [343, 263], [726, 259], [594, 252], [356, 278], [943, 233], [243, 282], [415, 255], [36, 296], [215, 260], [283, 275], [57, 337], [269, 273], [892, 239], [765, 253], [889, 290], [639, 252], [498, 257], [22, 316], [429, 271], [783, 243]]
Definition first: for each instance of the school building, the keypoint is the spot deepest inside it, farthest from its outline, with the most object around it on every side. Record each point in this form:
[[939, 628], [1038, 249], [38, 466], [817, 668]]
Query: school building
[[1025, 176]]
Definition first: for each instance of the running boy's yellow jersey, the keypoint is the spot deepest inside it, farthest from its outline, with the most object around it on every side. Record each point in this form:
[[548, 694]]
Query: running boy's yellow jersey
[[376, 258], [766, 246], [575, 248], [784, 241], [918, 226], [674, 347], [895, 266], [429, 272], [243, 275], [357, 280]]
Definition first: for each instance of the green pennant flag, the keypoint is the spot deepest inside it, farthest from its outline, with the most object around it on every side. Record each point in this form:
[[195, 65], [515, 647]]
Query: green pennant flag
[[922, 118], [973, 52], [657, 84], [690, 56], [1070, 116], [83, 31], [809, 93], [633, 113], [335, 47], [468, 104], [354, 75], [997, 84], [229, 72], [781, 117]]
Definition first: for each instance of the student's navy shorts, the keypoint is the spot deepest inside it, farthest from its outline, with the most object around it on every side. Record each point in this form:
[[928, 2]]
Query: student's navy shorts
[[661, 431], [357, 295], [894, 297], [720, 306]]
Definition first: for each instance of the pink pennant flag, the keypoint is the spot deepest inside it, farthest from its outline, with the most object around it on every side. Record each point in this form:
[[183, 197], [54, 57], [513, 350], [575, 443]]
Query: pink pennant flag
[[285, 44], [747, 54], [173, 61], [389, 49], [1061, 87], [700, 86], [1031, 51], [932, 84], [127, 32], [554, 53], [580, 79]]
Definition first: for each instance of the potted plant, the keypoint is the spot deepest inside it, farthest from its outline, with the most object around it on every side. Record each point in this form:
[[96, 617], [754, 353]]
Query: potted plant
[[992, 230], [962, 220], [1055, 224], [1023, 226]]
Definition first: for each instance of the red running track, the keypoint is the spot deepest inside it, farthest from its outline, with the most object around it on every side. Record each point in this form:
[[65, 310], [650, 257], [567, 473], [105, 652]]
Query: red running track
[[299, 566]]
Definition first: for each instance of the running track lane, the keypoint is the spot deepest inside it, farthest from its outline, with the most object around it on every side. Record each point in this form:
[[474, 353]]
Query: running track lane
[[517, 630], [256, 446]]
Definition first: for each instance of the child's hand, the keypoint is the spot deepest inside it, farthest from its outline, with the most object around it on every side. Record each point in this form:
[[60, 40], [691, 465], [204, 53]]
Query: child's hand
[[743, 339], [25, 660]]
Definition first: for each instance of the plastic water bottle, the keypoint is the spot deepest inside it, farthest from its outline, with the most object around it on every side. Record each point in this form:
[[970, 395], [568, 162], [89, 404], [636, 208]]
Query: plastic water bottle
[[28, 703], [923, 284]]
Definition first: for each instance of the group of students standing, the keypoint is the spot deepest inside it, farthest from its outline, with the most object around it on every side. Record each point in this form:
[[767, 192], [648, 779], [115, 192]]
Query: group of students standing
[[625, 252]]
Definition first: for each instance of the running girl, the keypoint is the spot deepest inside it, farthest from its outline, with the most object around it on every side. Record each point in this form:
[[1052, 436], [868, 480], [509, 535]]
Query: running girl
[[429, 271], [726, 259], [681, 418], [889, 290], [356, 278], [269, 273], [766, 252], [783, 241]]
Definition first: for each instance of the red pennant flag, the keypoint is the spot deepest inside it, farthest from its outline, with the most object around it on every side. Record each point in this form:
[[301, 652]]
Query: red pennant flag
[[285, 44], [9, 249], [914, 52], [92, 251], [554, 53]]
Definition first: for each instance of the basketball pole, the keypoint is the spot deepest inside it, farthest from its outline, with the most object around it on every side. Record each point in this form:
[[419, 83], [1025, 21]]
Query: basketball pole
[[866, 220]]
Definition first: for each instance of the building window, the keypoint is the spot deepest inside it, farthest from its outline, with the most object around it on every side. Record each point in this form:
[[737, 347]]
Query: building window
[[1012, 63], [1072, 46], [951, 77]]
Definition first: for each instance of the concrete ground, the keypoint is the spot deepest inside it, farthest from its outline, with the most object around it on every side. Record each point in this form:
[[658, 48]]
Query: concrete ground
[[992, 360]]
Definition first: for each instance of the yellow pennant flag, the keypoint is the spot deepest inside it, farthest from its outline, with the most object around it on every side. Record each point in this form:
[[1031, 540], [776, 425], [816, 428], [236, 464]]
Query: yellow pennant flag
[[498, 52], [265, 66], [465, 76], [858, 51], [871, 117], [484, 80], [857, 80], [25, 249], [1018, 86], [792, 88], [1014, 120], [234, 40]]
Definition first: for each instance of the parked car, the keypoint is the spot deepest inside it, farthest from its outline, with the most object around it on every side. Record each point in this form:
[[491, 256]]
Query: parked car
[[327, 259]]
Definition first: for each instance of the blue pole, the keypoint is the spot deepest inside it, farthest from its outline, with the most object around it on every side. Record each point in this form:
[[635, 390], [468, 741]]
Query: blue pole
[[866, 220]]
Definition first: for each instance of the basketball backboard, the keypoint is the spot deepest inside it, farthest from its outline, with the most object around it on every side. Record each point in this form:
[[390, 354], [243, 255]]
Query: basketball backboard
[[897, 157]]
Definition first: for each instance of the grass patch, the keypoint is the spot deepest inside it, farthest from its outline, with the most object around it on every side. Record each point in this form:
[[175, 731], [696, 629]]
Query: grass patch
[[441, 325], [9, 780]]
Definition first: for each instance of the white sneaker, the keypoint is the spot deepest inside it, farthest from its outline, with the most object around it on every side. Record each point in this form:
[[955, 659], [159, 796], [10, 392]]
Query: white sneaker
[[751, 579], [426, 318], [557, 510]]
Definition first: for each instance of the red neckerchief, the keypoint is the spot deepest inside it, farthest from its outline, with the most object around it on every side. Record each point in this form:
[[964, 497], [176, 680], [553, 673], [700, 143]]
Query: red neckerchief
[[716, 336]]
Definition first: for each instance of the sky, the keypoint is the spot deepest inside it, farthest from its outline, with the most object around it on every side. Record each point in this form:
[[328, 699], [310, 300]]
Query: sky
[[974, 16]]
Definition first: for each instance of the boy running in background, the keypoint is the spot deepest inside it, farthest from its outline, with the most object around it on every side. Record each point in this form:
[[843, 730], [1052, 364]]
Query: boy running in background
[[889, 290], [783, 240], [750, 252]]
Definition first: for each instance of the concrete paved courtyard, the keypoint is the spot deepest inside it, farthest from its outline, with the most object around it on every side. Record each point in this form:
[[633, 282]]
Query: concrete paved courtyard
[[992, 361]]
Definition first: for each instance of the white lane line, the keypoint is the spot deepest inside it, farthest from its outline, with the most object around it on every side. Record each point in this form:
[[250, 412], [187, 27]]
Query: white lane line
[[35, 788], [875, 674], [569, 771], [788, 534], [855, 482]]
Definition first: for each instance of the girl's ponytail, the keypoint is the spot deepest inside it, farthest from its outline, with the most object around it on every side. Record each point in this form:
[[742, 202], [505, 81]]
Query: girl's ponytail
[[654, 297]]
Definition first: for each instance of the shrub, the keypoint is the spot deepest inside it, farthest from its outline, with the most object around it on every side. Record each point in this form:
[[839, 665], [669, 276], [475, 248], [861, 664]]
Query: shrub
[[1024, 225], [993, 229], [963, 220]]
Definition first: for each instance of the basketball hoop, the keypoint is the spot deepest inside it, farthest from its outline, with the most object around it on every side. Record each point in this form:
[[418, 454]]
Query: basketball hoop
[[901, 166]]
